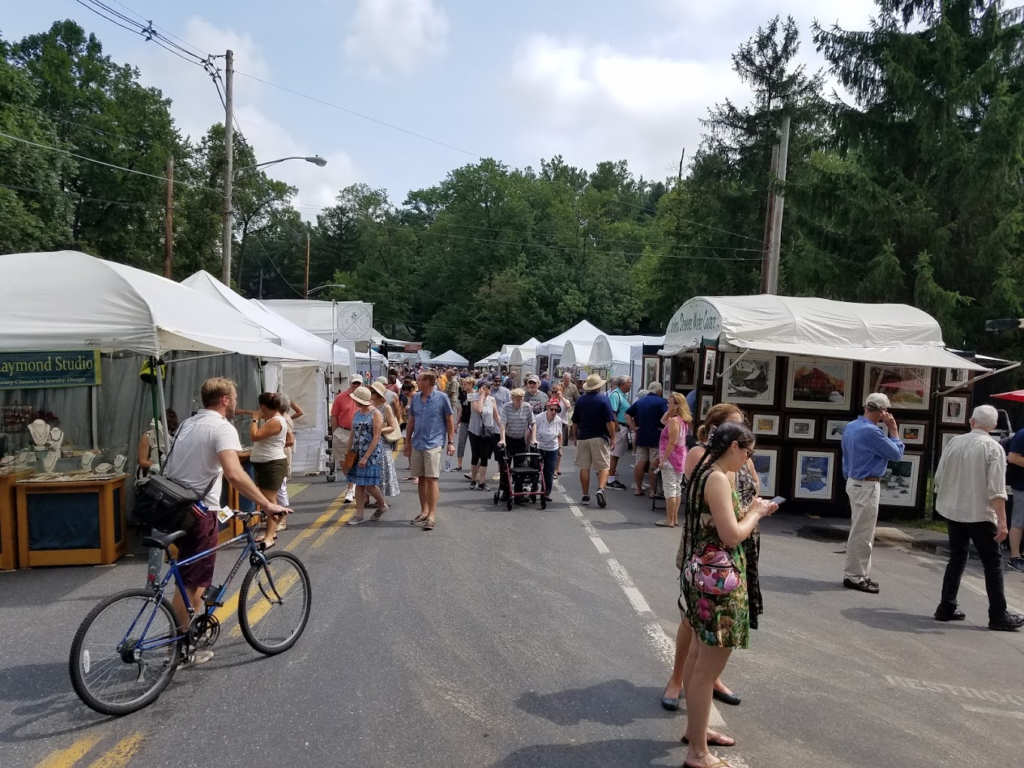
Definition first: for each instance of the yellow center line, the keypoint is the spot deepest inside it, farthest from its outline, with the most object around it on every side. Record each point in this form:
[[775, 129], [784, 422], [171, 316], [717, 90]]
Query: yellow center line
[[336, 526], [120, 754], [231, 604], [66, 758], [295, 490]]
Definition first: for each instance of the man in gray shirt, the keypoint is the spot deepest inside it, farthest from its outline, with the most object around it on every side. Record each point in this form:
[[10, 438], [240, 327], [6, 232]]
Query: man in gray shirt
[[971, 495]]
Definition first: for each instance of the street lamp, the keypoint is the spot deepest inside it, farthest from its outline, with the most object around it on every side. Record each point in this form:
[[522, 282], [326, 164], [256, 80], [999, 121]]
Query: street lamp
[[314, 159], [229, 177]]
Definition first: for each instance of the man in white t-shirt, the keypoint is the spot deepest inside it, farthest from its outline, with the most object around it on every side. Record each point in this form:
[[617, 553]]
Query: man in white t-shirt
[[206, 450]]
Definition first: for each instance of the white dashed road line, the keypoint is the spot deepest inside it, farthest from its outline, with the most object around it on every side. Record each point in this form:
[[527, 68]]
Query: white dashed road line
[[663, 645]]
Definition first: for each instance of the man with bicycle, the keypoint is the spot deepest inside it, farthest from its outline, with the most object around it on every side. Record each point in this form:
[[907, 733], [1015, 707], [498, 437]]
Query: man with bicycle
[[206, 450]]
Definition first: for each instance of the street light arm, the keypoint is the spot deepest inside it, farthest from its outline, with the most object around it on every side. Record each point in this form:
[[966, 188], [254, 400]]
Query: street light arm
[[322, 287], [314, 159]]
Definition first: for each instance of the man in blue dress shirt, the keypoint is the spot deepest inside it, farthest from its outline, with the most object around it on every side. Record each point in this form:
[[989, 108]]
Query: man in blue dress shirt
[[867, 452]]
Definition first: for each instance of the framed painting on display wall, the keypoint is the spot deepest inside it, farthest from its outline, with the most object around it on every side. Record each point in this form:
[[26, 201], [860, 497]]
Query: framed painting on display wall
[[898, 486], [912, 432], [801, 428], [955, 377], [686, 372], [666, 374], [907, 387], [819, 384], [650, 372], [750, 380], [766, 463], [834, 429], [706, 401], [766, 424], [814, 475], [954, 410], [708, 374]]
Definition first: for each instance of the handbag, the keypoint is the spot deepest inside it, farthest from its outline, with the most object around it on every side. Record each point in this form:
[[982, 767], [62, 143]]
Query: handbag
[[712, 571], [164, 503], [349, 461]]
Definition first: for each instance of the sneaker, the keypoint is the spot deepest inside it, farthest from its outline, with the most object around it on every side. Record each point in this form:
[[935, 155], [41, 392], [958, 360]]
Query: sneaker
[[197, 658], [616, 485], [472, 485], [350, 495], [600, 498], [584, 500], [482, 487], [943, 614], [1008, 622], [1016, 563]]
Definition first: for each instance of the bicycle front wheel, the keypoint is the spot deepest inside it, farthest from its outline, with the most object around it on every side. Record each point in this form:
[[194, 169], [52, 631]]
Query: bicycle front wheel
[[273, 604], [125, 652]]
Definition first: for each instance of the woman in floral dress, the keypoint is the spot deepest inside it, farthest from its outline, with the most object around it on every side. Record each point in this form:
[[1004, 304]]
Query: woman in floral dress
[[389, 475], [368, 443], [716, 522]]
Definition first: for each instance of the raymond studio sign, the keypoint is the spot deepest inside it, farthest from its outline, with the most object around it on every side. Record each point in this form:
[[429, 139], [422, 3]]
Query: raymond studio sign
[[36, 370]]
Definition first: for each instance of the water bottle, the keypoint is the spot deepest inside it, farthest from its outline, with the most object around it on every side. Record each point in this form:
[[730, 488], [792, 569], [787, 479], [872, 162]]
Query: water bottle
[[447, 465], [155, 565]]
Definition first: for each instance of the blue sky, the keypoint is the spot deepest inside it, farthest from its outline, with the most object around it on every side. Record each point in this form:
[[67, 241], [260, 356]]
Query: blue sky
[[590, 80]]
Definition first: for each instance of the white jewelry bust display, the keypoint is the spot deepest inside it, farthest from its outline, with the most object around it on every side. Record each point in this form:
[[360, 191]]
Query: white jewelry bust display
[[119, 462], [39, 432], [50, 461], [57, 436], [104, 468], [26, 456], [87, 459]]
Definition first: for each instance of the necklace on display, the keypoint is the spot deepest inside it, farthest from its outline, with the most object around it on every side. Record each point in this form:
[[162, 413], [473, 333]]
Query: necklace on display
[[39, 432], [119, 462], [57, 435], [50, 461], [87, 459], [103, 468]]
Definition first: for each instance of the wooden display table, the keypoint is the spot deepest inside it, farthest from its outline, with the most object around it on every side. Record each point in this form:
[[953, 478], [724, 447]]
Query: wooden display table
[[80, 522], [9, 519]]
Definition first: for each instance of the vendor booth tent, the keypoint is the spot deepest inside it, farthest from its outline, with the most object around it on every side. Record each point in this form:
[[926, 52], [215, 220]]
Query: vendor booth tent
[[451, 357], [491, 359], [894, 334], [583, 331], [623, 356], [575, 354], [304, 383]]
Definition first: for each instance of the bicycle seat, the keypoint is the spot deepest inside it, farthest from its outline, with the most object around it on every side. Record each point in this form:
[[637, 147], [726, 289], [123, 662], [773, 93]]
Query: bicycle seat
[[161, 540]]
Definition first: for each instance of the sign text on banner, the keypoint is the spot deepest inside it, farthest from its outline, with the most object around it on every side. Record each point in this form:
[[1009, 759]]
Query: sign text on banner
[[36, 370]]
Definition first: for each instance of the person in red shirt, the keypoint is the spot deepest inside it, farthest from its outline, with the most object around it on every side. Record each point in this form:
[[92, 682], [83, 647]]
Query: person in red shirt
[[342, 411]]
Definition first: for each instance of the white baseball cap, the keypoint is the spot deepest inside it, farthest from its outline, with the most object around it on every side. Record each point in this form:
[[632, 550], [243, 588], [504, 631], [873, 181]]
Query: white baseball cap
[[876, 401]]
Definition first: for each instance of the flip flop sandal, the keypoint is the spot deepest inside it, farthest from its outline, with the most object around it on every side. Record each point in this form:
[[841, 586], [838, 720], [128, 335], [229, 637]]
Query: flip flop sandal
[[264, 545], [429, 525], [720, 764], [715, 741], [417, 519], [664, 524], [379, 513]]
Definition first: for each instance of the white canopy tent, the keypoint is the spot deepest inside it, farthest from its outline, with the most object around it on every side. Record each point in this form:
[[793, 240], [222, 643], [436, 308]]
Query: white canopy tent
[[583, 331], [491, 359], [622, 356], [575, 354], [70, 300], [894, 334], [304, 383], [451, 357], [524, 360]]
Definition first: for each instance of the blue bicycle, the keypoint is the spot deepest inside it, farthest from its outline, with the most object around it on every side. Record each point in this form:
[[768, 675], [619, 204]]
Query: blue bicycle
[[129, 646]]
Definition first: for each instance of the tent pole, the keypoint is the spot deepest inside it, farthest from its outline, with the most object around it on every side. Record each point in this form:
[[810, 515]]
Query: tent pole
[[95, 403], [156, 407], [163, 404]]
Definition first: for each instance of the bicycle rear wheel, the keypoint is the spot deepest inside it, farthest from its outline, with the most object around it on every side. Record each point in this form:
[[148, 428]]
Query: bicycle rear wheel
[[124, 653], [273, 604]]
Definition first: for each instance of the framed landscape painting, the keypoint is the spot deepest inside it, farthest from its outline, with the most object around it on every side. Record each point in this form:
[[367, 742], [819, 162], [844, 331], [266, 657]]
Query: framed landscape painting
[[815, 473], [912, 432], [819, 384], [766, 462], [954, 410], [706, 401], [898, 487], [907, 387], [766, 424], [834, 429], [801, 428], [650, 371], [708, 376], [750, 381], [686, 378]]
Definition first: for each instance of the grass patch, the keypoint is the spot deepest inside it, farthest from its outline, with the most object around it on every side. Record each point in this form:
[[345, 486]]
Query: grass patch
[[939, 526]]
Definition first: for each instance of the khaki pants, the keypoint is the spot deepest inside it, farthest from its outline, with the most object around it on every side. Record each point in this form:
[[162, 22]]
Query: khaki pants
[[864, 507]]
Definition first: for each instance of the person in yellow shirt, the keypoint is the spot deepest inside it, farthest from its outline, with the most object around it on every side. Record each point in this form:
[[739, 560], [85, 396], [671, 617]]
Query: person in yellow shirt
[[442, 381]]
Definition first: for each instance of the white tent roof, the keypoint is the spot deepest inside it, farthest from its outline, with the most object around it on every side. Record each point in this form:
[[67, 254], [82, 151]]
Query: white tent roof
[[451, 357], [491, 359], [575, 353], [894, 334], [618, 350], [291, 335], [70, 300], [582, 331]]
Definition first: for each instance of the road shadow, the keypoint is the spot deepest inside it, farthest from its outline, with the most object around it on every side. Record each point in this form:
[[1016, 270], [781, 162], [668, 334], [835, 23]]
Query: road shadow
[[45, 704], [792, 585], [616, 702], [34, 587], [614, 752], [891, 620]]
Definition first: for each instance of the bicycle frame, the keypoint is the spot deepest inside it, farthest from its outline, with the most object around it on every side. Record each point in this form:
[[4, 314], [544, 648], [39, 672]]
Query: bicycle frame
[[250, 551]]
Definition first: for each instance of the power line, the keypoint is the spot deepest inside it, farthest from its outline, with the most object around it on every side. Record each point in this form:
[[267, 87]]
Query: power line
[[69, 193], [360, 115]]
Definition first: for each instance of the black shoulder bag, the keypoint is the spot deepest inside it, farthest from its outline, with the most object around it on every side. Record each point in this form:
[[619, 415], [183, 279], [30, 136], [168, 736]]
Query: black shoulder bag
[[166, 504]]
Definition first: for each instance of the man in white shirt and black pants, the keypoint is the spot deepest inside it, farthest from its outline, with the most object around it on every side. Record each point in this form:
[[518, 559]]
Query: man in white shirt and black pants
[[971, 494]]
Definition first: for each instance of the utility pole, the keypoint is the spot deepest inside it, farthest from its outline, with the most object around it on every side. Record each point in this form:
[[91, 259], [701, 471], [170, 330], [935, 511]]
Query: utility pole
[[681, 159], [768, 216], [780, 202], [305, 291], [261, 283], [168, 221], [229, 152]]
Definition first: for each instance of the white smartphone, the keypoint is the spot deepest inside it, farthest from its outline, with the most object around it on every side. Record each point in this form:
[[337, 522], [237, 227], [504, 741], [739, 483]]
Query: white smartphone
[[780, 500]]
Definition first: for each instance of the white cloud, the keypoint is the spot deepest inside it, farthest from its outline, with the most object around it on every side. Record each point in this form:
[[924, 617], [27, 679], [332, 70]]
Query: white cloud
[[394, 37], [593, 101], [196, 107]]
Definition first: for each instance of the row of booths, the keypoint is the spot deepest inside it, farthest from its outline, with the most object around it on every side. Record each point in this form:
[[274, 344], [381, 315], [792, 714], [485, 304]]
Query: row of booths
[[92, 354], [800, 369]]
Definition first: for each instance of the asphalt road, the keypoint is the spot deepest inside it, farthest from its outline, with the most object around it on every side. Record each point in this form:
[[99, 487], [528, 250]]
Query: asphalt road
[[529, 638]]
